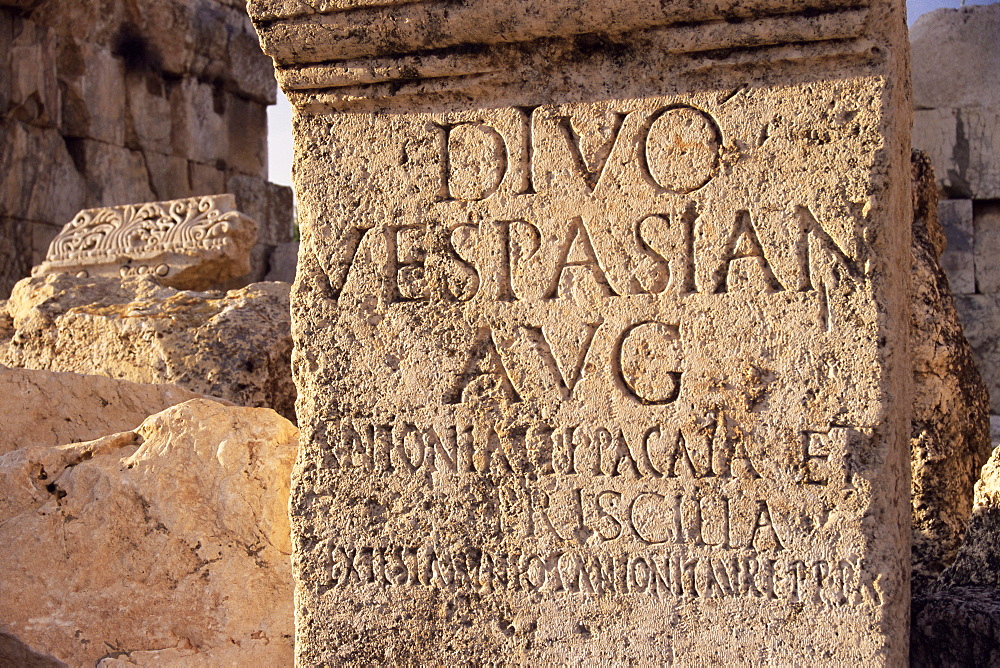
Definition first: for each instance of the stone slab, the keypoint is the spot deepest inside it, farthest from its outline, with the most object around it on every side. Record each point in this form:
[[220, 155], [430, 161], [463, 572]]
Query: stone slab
[[979, 315], [193, 243], [986, 222], [958, 259], [163, 545], [963, 144], [49, 408], [600, 340], [956, 57]]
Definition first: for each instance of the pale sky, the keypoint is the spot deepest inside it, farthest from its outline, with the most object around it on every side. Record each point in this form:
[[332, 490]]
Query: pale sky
[[279, 117]]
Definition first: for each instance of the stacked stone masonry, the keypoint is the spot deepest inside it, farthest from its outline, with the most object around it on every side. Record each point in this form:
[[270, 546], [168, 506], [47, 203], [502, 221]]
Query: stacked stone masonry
[[105, 103], [956, 95]]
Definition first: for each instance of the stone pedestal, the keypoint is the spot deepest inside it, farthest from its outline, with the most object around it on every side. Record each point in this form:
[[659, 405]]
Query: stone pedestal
[[600, 323]]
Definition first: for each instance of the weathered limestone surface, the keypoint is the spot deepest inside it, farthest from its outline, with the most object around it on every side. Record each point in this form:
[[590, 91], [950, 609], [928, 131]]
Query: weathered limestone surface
[[958, 621], [111, 103], [166, 545], [950, 439], [190, 244], [601, 325], [956, 79], [234, 345], [46, 408]]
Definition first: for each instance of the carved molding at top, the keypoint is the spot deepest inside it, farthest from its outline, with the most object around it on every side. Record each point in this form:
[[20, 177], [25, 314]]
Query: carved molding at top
[[188, 243]]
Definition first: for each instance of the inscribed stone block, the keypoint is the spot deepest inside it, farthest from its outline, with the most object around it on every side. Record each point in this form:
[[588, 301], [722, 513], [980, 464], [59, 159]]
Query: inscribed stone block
[[600, 340], [958, 257], [189, 244]]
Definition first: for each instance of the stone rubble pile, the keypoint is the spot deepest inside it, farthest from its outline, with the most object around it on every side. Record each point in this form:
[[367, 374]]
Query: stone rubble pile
[[164, 545], [233, 345]]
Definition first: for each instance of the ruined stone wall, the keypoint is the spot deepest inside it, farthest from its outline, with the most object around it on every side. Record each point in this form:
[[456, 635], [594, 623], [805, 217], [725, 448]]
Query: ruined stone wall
[[108, 102], [956, 95]]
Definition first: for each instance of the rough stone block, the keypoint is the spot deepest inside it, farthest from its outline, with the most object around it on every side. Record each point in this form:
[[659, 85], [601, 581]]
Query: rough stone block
[[986, 222], [247, 142], [40, 179], [164, 545], [269, 204], [114, 175], [149, 112], [50, 408], [199, 131], [190, 244], [206, 179], [94, 93], [963, 144], [42, 236], [234, 345], [980, 135], [15, 252], [170, 177], [601, 342], [34, 86], [6, 38], [958, 259], [956, 58], [979, 315]]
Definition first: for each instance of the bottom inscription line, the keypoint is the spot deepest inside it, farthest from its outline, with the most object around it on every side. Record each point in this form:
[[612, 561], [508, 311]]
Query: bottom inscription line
[[662, 574]]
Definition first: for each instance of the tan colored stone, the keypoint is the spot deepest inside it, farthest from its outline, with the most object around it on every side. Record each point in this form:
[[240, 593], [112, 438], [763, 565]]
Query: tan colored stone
[[167, 545], [950, 438], [601, 325], [232, 345], [46, 408], [15, 252], [194, 243], [115, 175]]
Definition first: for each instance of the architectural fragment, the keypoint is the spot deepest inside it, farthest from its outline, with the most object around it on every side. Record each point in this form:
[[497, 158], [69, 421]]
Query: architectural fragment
[[601, 320], [189, 244]]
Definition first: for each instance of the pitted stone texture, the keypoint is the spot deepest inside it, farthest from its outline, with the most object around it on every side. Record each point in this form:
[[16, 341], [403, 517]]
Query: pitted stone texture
[[189, 244], [950, 437], [54, 408], [163, 546], [601, 342], [234, 345]]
